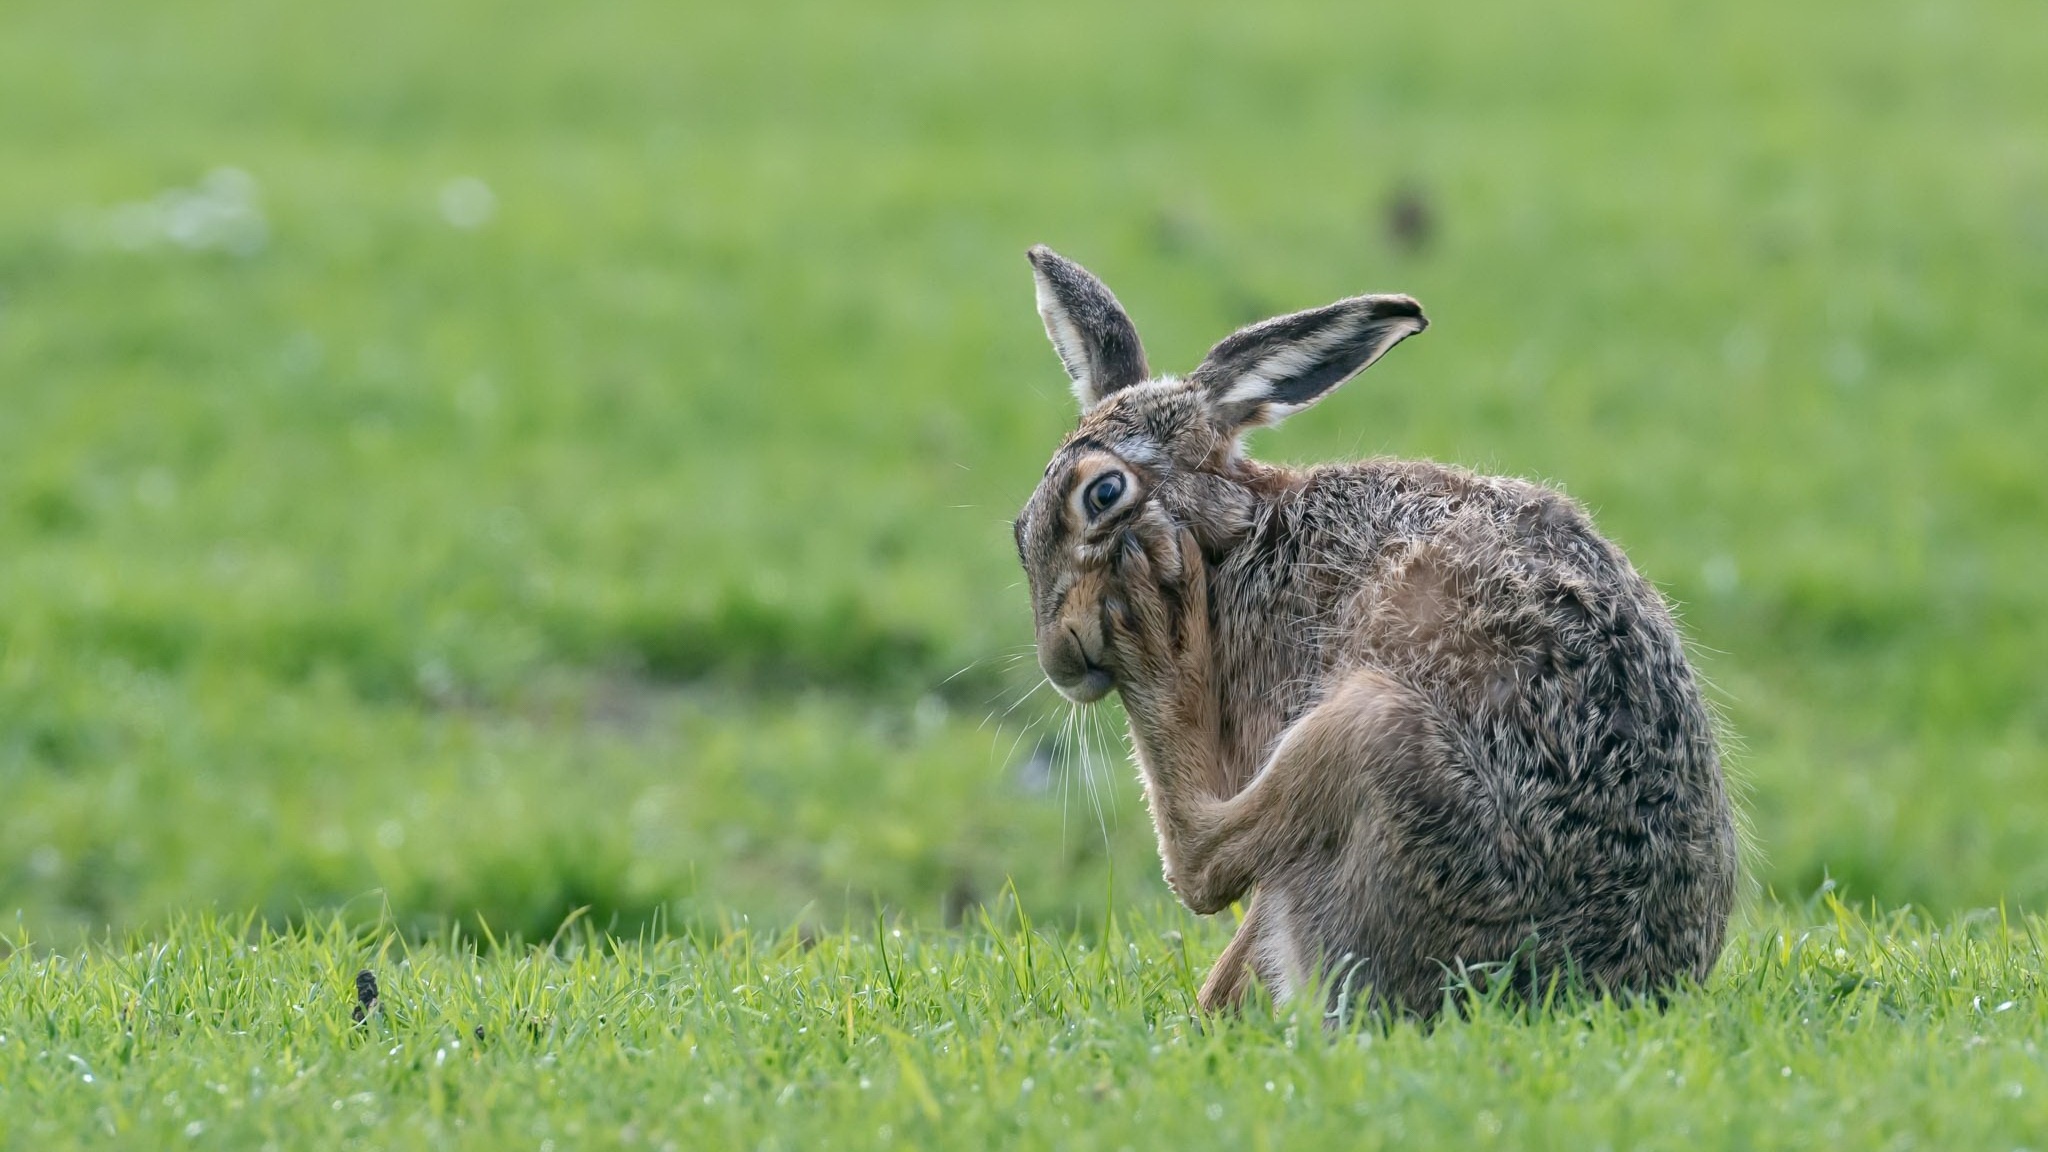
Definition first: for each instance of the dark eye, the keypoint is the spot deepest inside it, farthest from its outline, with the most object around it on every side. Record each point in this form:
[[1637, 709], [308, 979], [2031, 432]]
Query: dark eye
[[1103, 492]]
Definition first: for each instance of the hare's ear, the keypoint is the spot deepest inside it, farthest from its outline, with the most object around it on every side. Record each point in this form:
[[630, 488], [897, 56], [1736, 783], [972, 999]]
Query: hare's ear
[[1275, 368], [1095, 340]]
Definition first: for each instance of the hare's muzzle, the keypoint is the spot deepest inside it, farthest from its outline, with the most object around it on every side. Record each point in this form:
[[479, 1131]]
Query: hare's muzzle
[[1070, 647], [1076, 679]]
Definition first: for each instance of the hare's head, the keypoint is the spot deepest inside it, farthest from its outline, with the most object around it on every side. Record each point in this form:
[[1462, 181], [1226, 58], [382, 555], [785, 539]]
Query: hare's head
[[1154, 454]]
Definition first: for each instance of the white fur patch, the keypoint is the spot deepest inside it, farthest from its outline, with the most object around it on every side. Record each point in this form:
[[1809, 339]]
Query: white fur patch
[[1136, 451], [1276, 957], [1265, 376], [1287, 362], [1067, 342]]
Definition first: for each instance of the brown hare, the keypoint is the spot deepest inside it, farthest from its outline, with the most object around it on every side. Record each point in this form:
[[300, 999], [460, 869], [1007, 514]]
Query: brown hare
[[1432, 722]]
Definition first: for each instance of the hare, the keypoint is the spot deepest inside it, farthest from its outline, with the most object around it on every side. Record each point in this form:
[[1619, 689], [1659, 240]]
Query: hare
[[1432, 722]]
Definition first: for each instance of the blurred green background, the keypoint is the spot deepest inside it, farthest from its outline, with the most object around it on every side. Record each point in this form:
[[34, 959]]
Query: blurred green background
[[497, 459]]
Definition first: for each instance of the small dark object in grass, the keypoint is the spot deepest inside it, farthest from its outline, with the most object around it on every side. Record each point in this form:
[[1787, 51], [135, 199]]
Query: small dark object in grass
[[366, 995], [479, 1033]]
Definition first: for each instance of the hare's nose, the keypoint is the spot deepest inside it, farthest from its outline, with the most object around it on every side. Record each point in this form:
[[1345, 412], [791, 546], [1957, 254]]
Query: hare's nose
[[1064, 655], [1081, 645]]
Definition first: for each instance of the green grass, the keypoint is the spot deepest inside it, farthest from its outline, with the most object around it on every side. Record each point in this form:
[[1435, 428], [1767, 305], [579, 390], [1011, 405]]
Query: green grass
[[628, 534], [1847, 1033]]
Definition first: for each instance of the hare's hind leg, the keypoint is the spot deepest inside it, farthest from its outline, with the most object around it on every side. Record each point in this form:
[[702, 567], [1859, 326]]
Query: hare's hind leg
[[1242, 959], [1313, 796], [1376, 860]]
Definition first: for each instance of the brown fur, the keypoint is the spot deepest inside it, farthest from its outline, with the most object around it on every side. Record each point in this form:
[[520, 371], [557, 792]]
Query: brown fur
[[1428, 720]]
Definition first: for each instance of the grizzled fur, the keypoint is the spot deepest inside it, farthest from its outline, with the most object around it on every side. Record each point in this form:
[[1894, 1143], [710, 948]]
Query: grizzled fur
[[1429, 721]]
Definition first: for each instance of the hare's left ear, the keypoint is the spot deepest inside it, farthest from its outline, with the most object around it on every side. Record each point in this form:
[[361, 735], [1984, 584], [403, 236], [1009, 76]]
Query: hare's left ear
[[1275, 368], [1096, 341]]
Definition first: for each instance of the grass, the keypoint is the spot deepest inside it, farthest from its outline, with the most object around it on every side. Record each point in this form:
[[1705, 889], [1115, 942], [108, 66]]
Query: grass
[[473, 464], [1836, 1029]]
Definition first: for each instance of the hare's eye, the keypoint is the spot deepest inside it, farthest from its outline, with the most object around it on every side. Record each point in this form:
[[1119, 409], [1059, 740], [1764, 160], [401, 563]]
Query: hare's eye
[[1103, 492]]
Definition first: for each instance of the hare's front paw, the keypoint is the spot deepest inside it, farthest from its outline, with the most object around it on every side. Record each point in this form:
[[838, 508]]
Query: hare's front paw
[[1156, 617]]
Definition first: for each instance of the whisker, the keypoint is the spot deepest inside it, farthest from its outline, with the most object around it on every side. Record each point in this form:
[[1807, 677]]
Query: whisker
[[1092, 772], [1014, 705], [1059, 743], [1010, 757], [1021, 699]]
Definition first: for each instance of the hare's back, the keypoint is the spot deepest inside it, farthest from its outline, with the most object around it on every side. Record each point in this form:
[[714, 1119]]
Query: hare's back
[[1531, 632]]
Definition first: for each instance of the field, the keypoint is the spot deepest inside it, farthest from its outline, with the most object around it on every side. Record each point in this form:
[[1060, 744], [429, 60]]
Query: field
[[1849, 1034], [466, 469]]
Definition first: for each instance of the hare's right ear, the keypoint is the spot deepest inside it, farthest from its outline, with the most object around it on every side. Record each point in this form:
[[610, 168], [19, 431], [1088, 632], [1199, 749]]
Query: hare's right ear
[[1276, 368], [1095, 340]]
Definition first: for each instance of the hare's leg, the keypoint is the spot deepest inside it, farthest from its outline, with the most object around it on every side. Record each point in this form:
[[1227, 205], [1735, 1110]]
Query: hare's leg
[[1366, 755], [1231, 978], [1377, 859], [1369, 738], [1158, 628]]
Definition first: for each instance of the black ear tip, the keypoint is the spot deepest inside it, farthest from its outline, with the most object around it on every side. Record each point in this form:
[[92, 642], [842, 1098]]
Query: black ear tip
[[1385, 308], [1045, 259], [1402, 306]]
